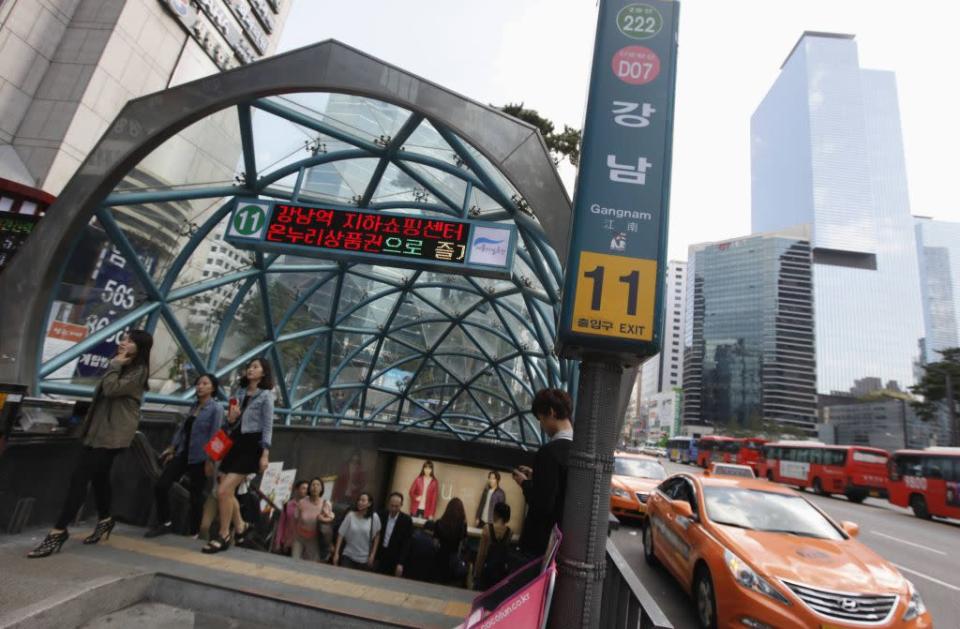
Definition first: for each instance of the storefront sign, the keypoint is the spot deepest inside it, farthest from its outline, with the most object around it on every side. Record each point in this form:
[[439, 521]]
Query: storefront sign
[[614, 273], [470, 247]]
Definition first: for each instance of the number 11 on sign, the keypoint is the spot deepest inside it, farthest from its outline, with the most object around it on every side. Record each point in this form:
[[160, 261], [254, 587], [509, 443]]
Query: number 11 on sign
[[615, 296]]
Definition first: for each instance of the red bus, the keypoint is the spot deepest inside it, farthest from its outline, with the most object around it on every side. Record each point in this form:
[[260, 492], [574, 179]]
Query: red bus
[[927, 481], [750, 452], [855, 471], [715, 449]]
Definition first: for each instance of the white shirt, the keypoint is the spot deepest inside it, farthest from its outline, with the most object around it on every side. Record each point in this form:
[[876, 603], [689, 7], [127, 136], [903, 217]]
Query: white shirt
[[563, 434], [391, 522], [358, 532], [485, 514], [422, 502]]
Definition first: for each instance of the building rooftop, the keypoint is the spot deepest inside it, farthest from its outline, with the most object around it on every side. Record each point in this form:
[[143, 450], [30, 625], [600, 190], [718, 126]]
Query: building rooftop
[[814, 34]]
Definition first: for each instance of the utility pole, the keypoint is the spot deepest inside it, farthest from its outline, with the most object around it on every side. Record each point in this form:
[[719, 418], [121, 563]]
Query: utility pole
[[614, 277]]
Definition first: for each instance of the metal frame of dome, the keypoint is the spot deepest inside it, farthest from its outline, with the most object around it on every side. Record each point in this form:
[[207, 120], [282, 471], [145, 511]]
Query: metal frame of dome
[[504, 158]]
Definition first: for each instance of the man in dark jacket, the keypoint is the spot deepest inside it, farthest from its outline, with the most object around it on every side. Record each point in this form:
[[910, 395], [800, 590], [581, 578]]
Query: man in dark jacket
[[397, 531], [545, 485]]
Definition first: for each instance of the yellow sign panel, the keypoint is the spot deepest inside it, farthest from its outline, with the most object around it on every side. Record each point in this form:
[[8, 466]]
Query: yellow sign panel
[[615, 296]]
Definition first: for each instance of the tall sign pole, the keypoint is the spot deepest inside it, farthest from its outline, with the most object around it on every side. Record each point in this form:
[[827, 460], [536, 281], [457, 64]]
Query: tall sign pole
[[611, 316]]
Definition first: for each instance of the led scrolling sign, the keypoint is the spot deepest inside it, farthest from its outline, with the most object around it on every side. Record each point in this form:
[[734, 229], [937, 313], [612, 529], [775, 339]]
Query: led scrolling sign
[[373, 237]]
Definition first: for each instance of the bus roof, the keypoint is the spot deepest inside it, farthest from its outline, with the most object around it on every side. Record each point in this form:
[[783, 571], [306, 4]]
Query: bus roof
[[936, 451]]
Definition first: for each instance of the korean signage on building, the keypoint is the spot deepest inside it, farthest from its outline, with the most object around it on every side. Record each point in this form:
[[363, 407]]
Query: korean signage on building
[[231, 32], [461, 246], [614, 272]]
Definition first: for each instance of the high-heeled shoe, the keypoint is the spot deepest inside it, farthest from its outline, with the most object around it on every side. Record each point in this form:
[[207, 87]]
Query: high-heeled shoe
[[104, 527], [50, 544], [216, 545]]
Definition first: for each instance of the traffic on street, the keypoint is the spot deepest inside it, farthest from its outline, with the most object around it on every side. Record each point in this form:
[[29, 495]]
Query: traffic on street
[[923, 551]]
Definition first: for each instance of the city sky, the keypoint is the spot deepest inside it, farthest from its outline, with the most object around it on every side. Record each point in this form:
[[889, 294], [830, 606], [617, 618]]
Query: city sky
[[538, 52]]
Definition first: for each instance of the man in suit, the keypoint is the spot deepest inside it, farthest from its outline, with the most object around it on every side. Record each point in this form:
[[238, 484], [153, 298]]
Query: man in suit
[[545, 485], [397, 531]]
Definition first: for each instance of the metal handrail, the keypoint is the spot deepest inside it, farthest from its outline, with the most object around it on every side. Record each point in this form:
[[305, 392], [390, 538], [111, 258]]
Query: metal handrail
[[626, 602]]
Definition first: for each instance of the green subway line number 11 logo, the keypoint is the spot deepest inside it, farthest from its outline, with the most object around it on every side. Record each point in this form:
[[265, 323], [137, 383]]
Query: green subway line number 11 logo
[[249, 220]]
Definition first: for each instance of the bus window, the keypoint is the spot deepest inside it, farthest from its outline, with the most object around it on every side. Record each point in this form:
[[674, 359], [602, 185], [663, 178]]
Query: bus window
[[933, 467]]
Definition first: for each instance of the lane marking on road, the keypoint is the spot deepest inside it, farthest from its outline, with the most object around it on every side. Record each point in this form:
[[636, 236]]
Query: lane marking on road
[[928, 577], [903, 541]]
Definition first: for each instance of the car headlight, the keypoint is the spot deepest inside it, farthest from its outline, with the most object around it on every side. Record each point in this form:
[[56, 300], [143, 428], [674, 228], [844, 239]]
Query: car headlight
[[915, 607], [746, 577], [620, 493]]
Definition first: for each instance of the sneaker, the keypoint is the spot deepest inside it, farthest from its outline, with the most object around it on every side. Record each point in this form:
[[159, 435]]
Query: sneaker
[[158, 530]]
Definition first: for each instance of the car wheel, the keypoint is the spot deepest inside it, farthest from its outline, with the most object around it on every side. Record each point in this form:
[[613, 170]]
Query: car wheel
[[919, 505], [706, 600], [648, 553]]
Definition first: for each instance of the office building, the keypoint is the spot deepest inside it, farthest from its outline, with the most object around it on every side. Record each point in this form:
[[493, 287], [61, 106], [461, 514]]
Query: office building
[[938, 249], [662, 373], [827, 152], [749, 345]]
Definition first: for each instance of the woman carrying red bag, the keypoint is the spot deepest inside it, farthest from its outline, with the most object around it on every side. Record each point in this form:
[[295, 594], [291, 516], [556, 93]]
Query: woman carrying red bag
[[250, 423]]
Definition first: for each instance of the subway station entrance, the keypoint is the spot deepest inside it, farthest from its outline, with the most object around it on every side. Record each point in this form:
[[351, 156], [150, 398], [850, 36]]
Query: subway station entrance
[[392, 248]]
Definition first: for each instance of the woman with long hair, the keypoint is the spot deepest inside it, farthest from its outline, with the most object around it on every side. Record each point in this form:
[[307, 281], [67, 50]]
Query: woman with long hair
[[186, 455], [451, 532], [250, 419], [492, 496], [359, 536], [423, 492], [108, 429], [312, 512]]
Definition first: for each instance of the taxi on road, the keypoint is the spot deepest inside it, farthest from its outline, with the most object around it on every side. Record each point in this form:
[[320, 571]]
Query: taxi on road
[[634, 477], [755, 554]]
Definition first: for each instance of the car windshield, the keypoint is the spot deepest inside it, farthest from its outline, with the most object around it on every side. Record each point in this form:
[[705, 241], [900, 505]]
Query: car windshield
[[638, 468], [767, 511]]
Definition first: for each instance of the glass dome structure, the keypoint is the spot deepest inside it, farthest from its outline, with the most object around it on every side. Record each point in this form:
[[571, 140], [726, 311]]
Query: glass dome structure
[[350, 343]]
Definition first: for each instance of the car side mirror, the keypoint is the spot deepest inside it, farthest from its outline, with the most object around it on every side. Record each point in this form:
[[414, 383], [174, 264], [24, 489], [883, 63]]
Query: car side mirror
[[682, 508], [850, 528]]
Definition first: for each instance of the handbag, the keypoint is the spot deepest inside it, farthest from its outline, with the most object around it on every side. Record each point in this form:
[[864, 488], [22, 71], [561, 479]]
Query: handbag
[[218, 446]]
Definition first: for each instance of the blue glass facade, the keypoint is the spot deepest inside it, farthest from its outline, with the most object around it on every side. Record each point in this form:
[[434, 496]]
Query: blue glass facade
[[938, 247], [749, 346], [827, 152]]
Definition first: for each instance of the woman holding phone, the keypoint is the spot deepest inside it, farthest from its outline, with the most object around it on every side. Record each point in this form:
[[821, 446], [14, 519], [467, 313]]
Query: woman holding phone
[[107, 430], [250, 422]]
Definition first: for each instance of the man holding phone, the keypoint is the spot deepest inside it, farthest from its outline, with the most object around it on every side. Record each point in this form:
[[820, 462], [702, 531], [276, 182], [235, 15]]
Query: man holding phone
[[545, 484]]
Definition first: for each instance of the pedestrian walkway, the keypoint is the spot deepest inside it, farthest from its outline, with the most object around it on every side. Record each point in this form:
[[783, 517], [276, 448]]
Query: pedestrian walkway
[[85, 583]]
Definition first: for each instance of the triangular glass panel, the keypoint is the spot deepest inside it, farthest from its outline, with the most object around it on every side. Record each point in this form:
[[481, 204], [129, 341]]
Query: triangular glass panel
[[300, 301], [444, 188], [247, 329], [364, 118], [205, 153]]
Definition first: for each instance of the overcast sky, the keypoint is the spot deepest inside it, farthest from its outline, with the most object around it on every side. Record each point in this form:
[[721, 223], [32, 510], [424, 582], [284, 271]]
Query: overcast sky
[[539, 52]]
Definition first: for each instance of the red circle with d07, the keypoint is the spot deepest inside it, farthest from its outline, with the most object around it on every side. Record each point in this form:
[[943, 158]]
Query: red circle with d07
[[636, 65]]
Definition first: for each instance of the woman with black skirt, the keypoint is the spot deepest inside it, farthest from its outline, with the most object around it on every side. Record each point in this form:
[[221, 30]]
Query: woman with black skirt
[[107, 430], [250, 423]]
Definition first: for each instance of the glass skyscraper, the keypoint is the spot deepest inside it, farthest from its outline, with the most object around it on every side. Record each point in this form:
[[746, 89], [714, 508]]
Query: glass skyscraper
[[827, 152], [749, 347], [938, 247]]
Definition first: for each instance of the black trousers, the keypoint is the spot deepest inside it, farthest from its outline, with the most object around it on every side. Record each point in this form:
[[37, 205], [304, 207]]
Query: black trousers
[[92, 468], [172, 472]]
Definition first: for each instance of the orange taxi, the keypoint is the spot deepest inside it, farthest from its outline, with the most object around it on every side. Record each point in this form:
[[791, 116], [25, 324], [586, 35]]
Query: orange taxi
[[634, 477], [755, 554]]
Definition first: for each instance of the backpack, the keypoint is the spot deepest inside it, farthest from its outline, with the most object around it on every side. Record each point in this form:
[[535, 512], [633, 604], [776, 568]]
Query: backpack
[[500, 559]]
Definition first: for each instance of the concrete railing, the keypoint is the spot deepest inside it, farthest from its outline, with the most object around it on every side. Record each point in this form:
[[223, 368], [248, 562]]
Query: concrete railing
[[626, 602]]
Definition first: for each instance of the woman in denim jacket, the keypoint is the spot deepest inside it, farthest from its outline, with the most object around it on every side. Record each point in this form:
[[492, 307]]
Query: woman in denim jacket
[[187, 456], [250, 423]]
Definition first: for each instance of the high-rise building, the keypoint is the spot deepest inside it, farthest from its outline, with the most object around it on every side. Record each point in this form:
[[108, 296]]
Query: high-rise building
[[938, 248], [663, 372], [749, 346], [827, 152]]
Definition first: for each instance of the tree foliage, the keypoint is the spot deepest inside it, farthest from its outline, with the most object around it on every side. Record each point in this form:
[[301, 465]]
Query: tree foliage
[[562, 144], [933, 386]]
